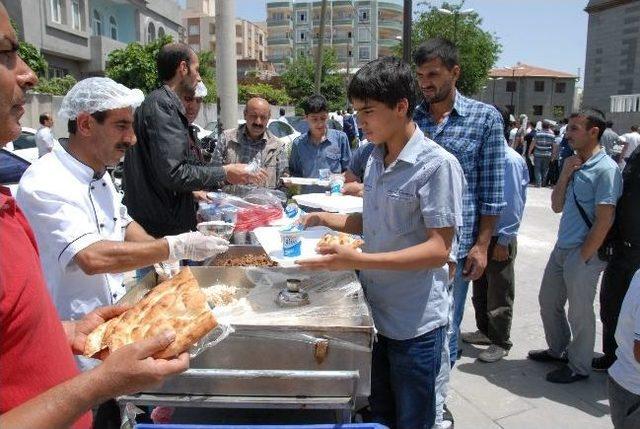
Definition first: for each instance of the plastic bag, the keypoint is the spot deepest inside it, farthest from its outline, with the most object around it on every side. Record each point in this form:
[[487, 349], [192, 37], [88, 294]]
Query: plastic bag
[[256, 208]]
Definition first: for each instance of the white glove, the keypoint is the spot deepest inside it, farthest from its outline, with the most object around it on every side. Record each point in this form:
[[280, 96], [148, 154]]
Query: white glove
[[195, 246]]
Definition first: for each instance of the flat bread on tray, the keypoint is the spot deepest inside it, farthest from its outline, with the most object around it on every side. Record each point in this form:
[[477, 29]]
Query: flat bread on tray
[[177, 305], [341, 239]]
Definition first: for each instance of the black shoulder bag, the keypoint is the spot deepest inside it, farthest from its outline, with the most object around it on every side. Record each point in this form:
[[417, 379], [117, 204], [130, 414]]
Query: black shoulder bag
[[605, 251]]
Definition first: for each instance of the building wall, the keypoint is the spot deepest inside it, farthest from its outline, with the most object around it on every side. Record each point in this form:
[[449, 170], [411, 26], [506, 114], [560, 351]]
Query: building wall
[[526, 97], [124, 15], [612, 63]]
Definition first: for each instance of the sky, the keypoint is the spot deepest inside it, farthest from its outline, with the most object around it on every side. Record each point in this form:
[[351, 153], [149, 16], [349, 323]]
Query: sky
[[545, 33]]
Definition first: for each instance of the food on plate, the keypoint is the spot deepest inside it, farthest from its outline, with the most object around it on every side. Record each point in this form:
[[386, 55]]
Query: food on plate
[[341, 239], [221, 294], [247, 261], [177, 305]]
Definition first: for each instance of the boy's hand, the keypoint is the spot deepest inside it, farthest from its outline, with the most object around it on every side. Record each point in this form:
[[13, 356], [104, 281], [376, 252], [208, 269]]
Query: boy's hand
[[335, 258]]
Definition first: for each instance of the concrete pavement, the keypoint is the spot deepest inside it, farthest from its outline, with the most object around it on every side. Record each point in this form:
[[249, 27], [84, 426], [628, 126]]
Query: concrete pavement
[[513, 393]]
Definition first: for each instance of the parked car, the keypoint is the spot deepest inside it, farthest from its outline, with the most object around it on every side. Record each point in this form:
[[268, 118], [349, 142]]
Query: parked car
[[12, 167], [25, 145], [301, 125]]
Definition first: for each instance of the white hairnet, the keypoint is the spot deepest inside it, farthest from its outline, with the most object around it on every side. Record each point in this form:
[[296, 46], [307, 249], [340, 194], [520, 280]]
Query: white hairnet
[[201, 90], [97, 94]]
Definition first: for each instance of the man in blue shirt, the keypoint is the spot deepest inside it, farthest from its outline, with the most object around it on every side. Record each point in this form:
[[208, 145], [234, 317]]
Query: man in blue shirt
[[586, 194], [412, 208], [473, 132], [320, 148], [493, 292]]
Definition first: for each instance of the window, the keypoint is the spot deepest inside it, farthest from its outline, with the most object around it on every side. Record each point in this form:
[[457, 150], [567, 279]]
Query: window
[[558, 111], [56, 11], [364, 34], [349, 35], [537, 110], [277, 16], [511, 86], [363, 15], [302, 36], [113, 28], [194, 30], [239, 50], [195, 47], [160, 32], [561, 87], [57, 72], [302, 16], [538, 86], [239, 31], [212, 28], [151, 32], [97, 23], [76, 20], [364, 52]]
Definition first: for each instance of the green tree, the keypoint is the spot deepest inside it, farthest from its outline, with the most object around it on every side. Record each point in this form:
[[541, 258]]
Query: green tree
[[272, 95], [34, 58], [478, 49], [135, 67], [55, 86], [299, 78]]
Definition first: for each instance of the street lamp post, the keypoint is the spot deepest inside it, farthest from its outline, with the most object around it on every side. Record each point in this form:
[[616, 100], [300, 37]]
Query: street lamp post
[[513, 77], [456, 13], [493, 91]]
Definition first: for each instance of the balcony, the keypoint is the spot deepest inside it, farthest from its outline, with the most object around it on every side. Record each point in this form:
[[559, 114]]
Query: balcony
[[271, 5], [625, 103], [388, 43], [390, 24], [342, 21], [342, 40], [279, 23], [101, 46], [272, 41]]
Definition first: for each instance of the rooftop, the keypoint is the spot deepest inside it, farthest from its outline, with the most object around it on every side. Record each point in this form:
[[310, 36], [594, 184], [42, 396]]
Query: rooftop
[[526, 70], [598, 5]]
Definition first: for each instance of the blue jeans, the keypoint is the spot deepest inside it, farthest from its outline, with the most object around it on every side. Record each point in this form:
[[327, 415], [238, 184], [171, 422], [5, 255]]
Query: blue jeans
[[541, 168], [403, 378], [460, 289]]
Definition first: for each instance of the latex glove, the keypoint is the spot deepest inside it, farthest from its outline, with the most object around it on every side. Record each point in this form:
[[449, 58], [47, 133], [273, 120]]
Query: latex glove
[[167, 269], [195, 246]]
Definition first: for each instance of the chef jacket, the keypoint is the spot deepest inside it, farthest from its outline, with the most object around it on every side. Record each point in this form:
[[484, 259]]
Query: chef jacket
[[70, 207]]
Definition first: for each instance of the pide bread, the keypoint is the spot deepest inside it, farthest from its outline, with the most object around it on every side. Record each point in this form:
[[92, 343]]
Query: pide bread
[[177, 305], [341, 239]]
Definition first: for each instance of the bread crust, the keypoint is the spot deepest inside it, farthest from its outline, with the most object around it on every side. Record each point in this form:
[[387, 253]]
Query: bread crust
[[176, 305], [340, 239]]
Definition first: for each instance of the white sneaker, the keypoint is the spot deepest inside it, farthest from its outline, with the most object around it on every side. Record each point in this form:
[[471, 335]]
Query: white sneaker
[[475, 338], [493, 354]]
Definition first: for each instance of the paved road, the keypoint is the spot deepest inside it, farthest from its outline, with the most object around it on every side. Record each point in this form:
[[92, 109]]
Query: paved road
[[513, 393]]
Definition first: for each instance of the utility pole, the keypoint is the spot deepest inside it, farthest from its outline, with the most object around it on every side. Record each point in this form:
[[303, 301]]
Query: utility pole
[[323, 11], [226, 66], [406, 30], [348, 64]]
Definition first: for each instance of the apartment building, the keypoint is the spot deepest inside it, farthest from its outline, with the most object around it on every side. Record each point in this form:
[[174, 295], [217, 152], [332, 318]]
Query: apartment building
[[200, 23], [612, 65], [359, 30], [76, 36], [538, 92]]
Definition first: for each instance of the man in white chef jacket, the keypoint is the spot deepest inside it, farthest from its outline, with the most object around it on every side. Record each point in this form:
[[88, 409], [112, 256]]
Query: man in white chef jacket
[[84, 233]]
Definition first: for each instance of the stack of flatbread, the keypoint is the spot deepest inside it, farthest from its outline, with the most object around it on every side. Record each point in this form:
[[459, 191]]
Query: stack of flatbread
[[176, 305]]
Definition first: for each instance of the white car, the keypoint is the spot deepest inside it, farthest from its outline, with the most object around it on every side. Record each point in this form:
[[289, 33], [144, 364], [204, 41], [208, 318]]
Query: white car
[[25, 145], [280, 129]]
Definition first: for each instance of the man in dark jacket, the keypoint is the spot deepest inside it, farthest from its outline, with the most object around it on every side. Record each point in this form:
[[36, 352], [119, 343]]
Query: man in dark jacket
[[161, 171]]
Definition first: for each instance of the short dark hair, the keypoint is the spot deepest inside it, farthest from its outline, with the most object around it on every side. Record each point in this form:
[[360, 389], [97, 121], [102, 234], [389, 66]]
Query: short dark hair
[[505, 119], [387, 80], [609, 124], [545, 125], [282, 112], [634, 128], [44, 117], [595, 118], [437, 47], [169, 58], [72, 125], [349, 109], [315, 104]]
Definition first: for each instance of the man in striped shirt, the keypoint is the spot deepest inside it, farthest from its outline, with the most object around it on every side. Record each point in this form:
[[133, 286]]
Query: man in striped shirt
[[543, 148]]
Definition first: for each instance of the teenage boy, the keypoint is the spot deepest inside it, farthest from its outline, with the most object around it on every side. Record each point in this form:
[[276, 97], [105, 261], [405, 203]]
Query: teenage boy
[[412, 207], [320, 148]]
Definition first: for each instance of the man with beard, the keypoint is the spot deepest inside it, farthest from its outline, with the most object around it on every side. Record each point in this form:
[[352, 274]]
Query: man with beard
[[473, 132], [160, 172], [253, 142], [40, 384]]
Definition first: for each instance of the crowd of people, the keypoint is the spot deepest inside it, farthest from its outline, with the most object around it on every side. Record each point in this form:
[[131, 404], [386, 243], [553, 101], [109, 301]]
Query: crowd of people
[[443, 178]]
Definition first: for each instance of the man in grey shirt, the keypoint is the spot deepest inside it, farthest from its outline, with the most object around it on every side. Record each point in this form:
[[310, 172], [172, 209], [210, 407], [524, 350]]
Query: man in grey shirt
[[609, 139]]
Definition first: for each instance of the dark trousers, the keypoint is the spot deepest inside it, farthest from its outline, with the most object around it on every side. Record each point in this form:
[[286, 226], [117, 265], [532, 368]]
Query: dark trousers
[[615, 282], [403, 378], [493, 295]]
